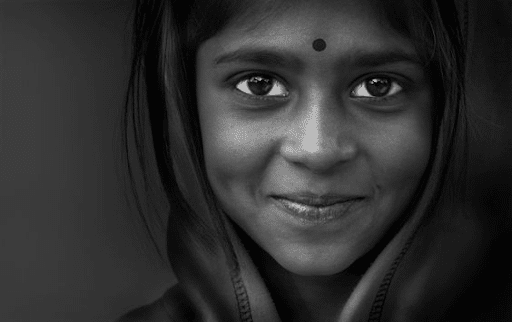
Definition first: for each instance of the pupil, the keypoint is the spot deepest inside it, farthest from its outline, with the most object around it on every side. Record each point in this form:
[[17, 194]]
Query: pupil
[[259, 85], [378, 86]]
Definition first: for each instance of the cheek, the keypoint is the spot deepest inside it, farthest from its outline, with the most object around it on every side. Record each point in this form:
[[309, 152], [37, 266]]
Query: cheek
[[236, 151], [401, 152], [229, 151]]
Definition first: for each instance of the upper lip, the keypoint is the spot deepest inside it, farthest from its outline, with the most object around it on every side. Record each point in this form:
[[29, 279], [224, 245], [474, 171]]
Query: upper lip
[[317, 200]]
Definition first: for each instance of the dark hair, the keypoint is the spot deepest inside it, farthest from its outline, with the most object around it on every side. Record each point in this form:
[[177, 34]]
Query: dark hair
[[161, 119]]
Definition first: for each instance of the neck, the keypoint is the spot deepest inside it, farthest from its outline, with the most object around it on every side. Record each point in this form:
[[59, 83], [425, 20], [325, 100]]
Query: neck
[[304, 298]]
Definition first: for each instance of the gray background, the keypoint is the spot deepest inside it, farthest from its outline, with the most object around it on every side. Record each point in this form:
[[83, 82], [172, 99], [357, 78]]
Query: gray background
[[70, 248]]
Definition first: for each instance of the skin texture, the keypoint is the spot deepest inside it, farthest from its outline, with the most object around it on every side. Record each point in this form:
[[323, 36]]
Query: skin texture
[[315, 131]]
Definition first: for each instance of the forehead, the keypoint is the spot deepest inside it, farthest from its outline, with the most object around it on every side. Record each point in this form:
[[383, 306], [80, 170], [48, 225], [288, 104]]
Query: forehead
[[347, 26]]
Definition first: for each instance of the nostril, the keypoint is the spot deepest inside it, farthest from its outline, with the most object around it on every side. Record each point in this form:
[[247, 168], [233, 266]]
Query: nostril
[[318, 156], [320, 135]]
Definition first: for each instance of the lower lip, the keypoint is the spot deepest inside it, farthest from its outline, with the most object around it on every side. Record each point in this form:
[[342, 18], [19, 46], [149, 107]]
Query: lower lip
[[318, 215]]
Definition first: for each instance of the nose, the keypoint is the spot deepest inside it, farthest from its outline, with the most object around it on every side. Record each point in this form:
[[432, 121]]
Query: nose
[[319, 136]]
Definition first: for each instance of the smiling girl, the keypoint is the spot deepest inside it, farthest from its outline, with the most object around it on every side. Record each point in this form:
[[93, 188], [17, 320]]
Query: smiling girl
[[311, 154]]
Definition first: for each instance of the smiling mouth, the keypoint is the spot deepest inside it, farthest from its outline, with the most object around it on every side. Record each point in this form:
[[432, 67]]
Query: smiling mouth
[[317, 210]]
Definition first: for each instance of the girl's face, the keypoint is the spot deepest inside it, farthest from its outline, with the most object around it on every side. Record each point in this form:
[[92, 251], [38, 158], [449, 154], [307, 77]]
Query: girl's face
[[314, 153]]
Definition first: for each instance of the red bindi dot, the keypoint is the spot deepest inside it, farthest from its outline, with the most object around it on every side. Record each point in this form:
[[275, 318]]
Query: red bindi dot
[[319, 44]]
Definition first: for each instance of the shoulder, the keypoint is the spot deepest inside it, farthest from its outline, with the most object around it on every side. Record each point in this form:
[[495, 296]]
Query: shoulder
[[171, 307]]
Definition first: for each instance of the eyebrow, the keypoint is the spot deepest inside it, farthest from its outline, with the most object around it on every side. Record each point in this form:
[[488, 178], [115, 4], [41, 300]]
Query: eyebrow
[[280, 58], [260, 57]]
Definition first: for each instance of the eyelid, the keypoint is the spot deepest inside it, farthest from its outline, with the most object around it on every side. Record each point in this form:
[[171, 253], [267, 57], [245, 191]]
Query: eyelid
[[402, 81], [240, 76], [237, 78], [363, 86]]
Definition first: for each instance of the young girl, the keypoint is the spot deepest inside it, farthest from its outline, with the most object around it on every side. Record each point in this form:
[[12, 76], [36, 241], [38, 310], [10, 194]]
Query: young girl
[[312, 154]]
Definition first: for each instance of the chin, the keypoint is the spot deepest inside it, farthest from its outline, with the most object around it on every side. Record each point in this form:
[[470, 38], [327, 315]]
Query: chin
[[300, 263]]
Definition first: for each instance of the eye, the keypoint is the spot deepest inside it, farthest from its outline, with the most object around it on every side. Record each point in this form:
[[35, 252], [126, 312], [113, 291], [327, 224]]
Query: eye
[[260, 85], [377, 87]]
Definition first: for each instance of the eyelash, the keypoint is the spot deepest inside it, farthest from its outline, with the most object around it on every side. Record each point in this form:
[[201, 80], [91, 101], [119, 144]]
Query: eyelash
[[394, 82], [274, 79], [397, 85]]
